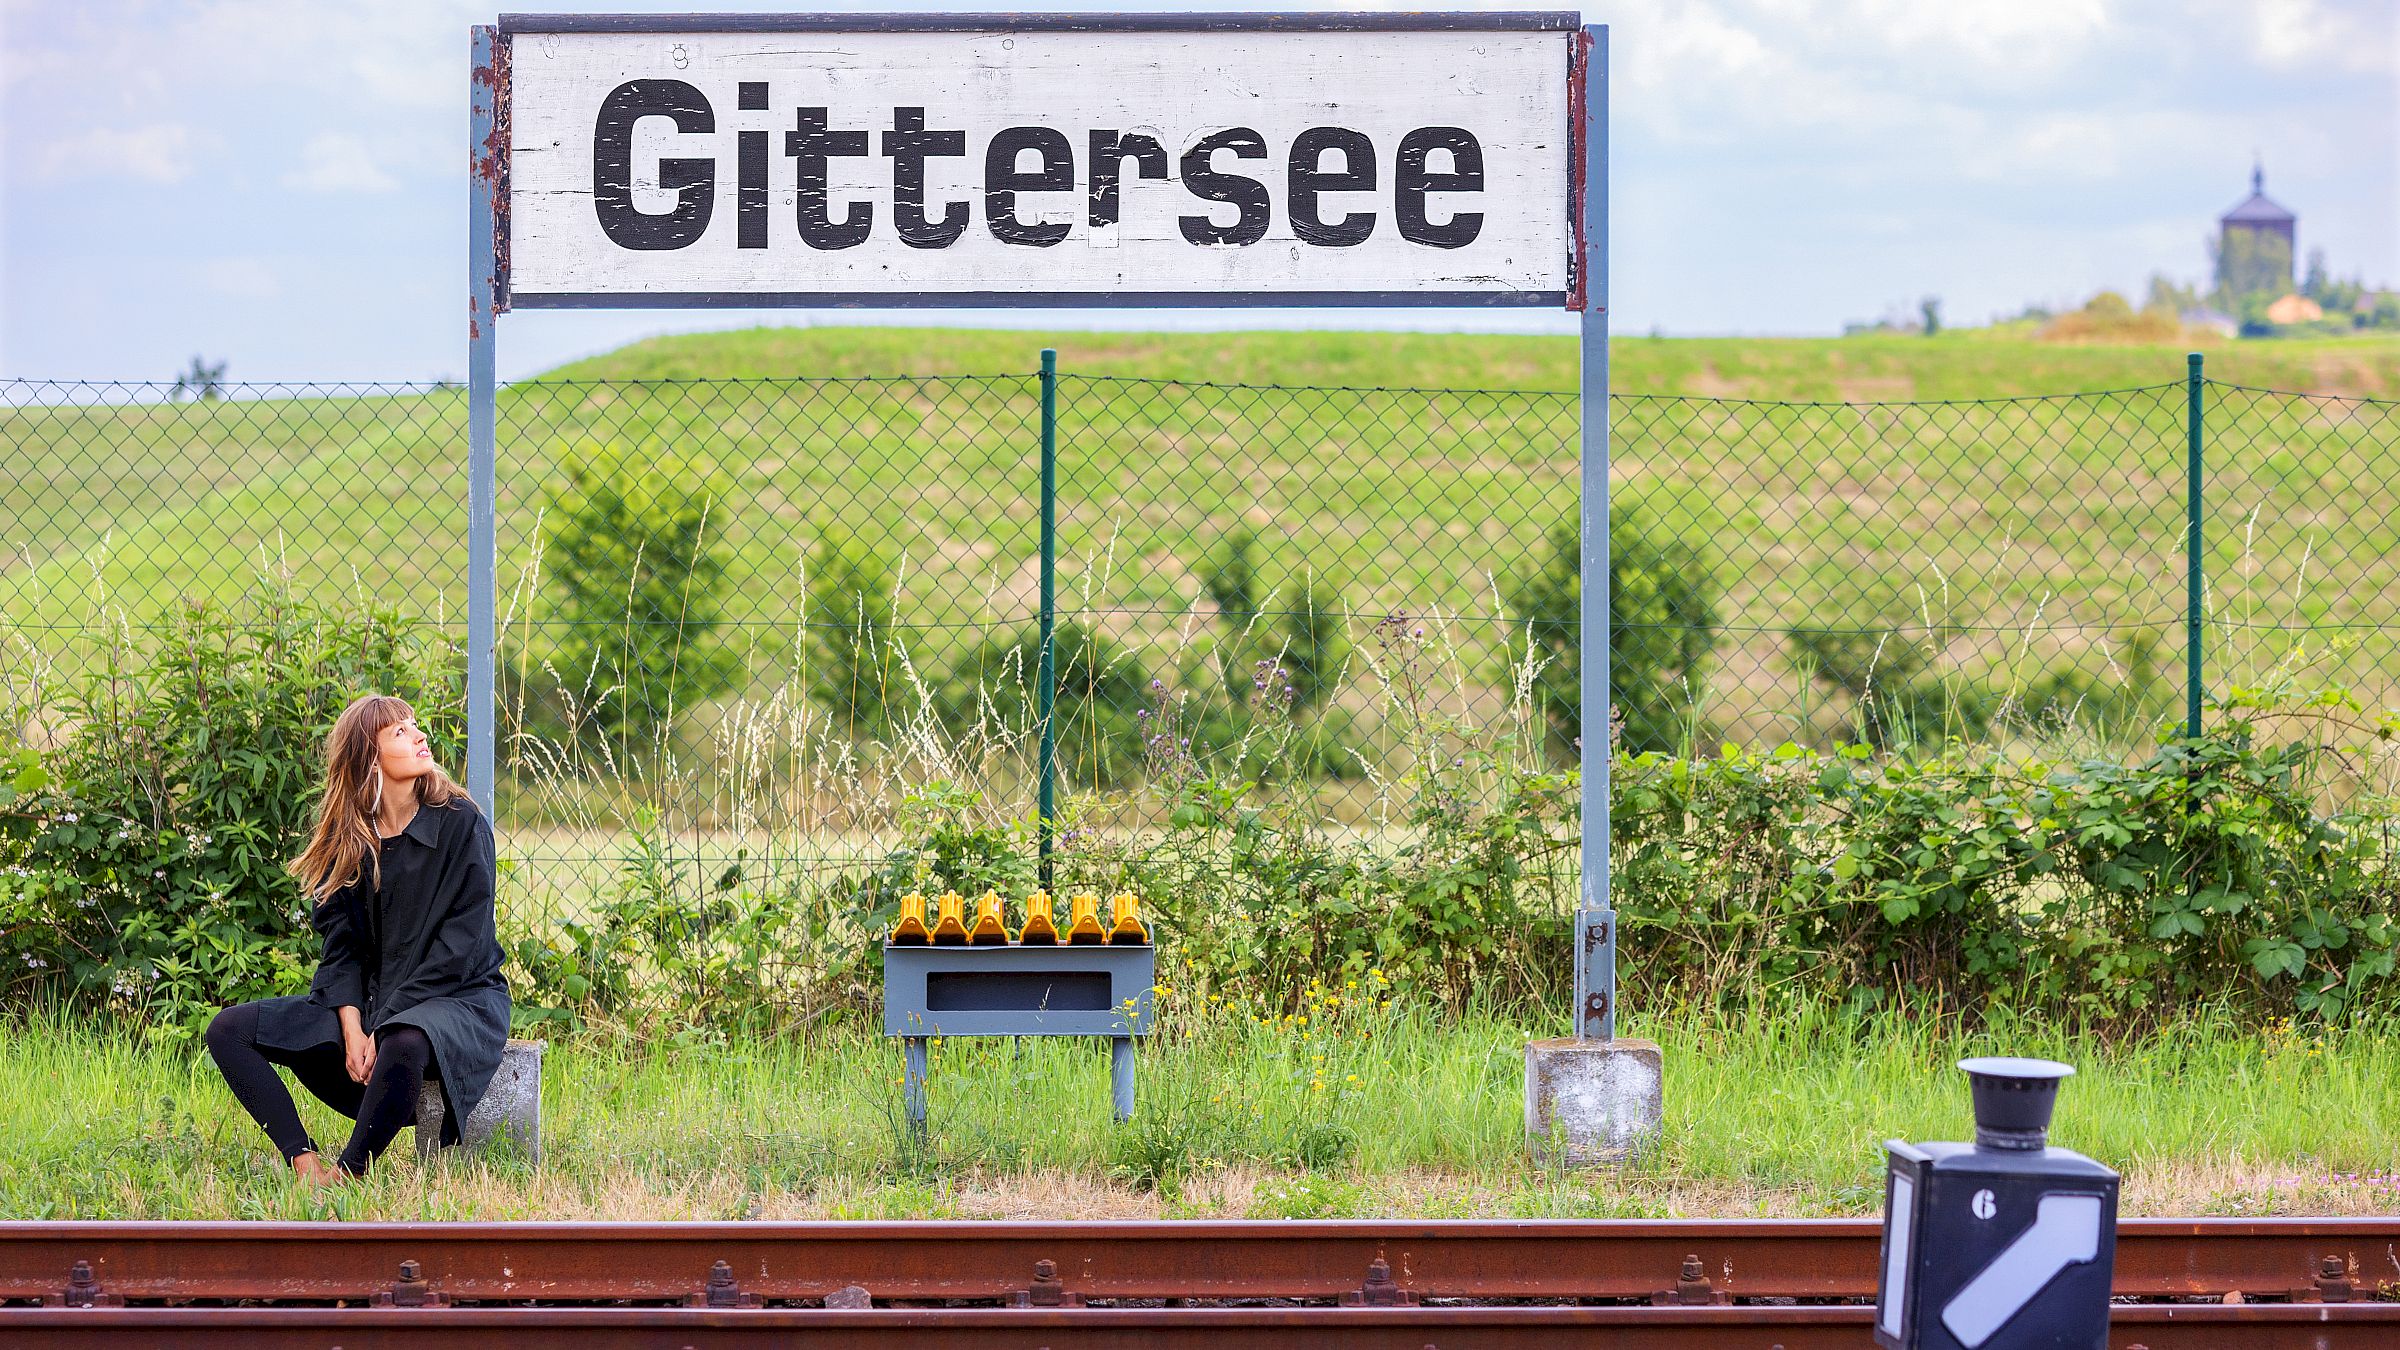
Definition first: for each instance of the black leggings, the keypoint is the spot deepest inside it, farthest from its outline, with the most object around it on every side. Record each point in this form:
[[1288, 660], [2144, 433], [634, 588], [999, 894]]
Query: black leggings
[[381, 1105]]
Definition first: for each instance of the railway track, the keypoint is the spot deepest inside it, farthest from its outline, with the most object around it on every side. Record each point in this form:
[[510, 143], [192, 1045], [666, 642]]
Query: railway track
[[2154, 1327], [2320, 1283]]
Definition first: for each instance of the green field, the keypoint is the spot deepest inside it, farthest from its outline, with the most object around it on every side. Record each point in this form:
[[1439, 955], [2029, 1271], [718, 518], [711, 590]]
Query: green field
[[1363, 1112], [2032, 535]]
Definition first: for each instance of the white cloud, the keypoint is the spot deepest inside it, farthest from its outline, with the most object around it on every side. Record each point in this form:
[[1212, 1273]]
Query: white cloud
[[335, 161], [2304, 34], [161, 152]]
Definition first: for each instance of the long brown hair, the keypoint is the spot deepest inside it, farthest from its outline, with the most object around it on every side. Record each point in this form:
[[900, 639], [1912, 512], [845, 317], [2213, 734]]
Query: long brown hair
[[344, 838]]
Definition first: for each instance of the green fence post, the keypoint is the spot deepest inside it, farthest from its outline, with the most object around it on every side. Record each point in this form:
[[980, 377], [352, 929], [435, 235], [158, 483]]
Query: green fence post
[[1049, 675], [2193, 384]]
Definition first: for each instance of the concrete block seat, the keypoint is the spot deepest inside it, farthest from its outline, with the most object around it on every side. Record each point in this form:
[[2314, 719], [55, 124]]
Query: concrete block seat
[[511, 1106]]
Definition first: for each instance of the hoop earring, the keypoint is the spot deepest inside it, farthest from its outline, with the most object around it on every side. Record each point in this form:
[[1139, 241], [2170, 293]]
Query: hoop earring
[[377, 808]]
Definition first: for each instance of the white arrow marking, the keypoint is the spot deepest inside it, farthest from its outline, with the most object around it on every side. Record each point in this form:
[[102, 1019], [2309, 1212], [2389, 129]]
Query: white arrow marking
[[2065, 1232]]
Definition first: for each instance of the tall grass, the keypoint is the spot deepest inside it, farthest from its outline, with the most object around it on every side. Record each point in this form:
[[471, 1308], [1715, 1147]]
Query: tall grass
[[1362, 1110]]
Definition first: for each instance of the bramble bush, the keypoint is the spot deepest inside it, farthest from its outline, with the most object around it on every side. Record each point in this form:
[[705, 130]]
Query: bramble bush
[[141, 859], [2242, 871]]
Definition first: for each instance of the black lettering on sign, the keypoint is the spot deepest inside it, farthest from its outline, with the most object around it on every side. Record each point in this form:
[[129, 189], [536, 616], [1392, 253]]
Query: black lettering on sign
[[1202, 179], [1110, 150], [1413, 182], [908, 145], [750, 207], [693, 181], [812, 145], [1003, 180], [1308, 178]]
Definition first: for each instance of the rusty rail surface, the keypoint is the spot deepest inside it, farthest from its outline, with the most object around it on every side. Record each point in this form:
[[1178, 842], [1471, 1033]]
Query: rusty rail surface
[[2369, 1326], [1670, 1261]]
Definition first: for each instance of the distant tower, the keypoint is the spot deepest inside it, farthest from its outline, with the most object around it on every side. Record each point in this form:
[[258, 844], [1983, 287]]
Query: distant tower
[[2254, 244]]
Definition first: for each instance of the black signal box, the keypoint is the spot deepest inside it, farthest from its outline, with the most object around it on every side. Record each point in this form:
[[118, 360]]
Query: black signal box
[[2002, 1244]]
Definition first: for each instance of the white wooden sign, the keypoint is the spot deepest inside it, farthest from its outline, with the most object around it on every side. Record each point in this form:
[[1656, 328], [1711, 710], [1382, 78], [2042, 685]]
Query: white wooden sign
[[1014, 167]]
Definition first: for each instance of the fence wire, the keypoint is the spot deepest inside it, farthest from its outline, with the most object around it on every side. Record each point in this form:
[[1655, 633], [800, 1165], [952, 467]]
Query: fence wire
[[760, 616]]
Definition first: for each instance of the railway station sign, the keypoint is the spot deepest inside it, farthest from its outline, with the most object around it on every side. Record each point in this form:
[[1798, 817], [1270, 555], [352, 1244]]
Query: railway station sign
[[862, 160]]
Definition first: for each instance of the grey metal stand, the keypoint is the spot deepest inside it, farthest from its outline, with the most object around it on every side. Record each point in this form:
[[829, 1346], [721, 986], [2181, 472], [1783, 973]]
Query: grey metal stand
[[1017, 991]]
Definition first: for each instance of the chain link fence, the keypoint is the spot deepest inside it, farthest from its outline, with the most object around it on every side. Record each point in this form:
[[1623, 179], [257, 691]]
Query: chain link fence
[[757, 616]]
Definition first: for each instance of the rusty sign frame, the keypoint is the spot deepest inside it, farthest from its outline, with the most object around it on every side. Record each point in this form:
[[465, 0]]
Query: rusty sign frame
[[1587, 272]]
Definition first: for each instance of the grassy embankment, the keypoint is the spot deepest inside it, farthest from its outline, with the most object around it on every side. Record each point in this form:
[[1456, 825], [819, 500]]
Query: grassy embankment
[[2063, 517], [1781, 1116], [1971, 516]]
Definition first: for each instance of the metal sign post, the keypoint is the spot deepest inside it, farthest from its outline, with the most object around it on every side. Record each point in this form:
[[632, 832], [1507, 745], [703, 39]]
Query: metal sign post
[[1595, 921], [1013, 160]]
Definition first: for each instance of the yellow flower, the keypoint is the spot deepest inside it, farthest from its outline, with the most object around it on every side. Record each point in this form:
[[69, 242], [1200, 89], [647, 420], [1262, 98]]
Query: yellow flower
[[1353, 1078]]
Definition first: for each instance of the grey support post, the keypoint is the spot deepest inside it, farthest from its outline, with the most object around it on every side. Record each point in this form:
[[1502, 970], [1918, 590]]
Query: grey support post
[[912, 1086], [1120, 1076], [484, 160], [1595, 963], [1590, 1097]]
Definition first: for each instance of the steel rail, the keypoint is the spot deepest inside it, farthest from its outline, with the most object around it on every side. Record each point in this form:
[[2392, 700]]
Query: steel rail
[[1213, 1261], [2158, 1327]]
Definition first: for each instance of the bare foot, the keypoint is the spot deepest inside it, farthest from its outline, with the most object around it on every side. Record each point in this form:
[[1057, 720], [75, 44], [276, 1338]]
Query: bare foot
[[314, 1170]]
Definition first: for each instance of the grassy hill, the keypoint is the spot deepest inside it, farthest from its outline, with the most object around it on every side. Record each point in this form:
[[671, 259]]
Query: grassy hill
[[1958, 365], [2027, 533]]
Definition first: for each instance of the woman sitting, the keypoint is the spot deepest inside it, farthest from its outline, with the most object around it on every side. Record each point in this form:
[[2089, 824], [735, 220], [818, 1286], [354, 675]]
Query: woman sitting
[[400, 870]]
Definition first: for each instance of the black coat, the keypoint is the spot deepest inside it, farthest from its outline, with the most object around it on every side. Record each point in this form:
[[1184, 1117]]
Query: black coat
[[420, 951]]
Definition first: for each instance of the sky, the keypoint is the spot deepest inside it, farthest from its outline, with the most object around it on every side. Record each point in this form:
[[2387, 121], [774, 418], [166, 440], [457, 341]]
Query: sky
[[280, 184]]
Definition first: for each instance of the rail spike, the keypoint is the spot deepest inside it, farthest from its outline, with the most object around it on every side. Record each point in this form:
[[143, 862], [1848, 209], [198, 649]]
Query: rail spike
[[721, 1291], [2332, 1284], [411, 1291], [1046, 1291], [83, 1291], [1380, 1289], [1692, 1288]]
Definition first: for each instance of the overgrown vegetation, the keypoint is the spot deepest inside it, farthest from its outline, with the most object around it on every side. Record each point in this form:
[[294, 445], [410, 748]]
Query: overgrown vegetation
[[633, 544], [1662, 624], [141, 858], [2250, 870]]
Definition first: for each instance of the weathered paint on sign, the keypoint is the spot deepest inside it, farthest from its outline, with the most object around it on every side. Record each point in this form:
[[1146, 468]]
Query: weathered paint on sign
[[1000, 167]]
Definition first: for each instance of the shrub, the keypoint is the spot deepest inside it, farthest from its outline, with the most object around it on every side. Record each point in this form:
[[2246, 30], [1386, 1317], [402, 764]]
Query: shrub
[[1877, 653], [1313, 643], [1230, 578], [1662, 622], [148, 873], [633, 541], [853, 601]]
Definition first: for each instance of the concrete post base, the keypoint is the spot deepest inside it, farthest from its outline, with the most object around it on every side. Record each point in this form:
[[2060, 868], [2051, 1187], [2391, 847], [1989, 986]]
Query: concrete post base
[[1591, 1102], [511, 1106]]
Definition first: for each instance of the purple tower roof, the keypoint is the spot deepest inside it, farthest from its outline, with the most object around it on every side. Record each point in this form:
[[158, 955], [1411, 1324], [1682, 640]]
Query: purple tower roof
[[2257, 208]]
